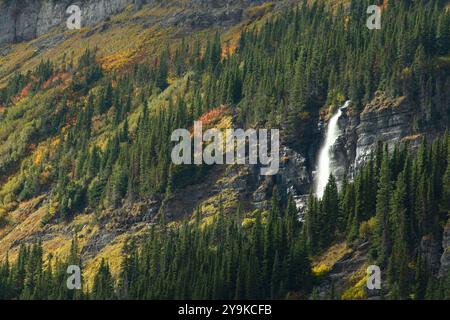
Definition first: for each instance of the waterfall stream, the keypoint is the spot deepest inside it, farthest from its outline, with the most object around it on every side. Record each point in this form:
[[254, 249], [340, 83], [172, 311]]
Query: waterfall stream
[[324, 161]]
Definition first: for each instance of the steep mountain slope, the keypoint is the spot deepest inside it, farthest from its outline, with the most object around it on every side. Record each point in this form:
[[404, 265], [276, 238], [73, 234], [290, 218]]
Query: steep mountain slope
[[27, 20], [85, 148], [137, 34]]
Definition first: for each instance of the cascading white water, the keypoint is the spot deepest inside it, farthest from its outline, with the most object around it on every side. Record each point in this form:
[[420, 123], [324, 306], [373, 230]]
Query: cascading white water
[[324, 162]]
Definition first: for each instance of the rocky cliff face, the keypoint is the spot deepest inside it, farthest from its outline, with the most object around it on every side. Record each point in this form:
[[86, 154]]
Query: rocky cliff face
[[383, 119], [28, 19], [391, 121], [445, 258], [293, 178], [22, 20]]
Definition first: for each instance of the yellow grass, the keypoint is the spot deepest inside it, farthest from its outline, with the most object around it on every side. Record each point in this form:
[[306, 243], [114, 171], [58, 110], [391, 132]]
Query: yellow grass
[[357, 290], [331, 256]]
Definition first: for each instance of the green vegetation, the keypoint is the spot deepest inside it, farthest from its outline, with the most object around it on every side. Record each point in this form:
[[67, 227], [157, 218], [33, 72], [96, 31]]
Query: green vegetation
[[411, 205], [93, 140], [221, 261]]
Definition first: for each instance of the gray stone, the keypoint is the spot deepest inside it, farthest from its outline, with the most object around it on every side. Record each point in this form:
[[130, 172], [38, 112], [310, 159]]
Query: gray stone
[[27, 19], [445, 258]]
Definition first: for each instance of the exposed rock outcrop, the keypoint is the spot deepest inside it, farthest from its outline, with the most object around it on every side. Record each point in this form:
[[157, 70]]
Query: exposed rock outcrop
[[295, 177], [431, 251], [345, 273], [383, 119], [445, 258], [28, 19]]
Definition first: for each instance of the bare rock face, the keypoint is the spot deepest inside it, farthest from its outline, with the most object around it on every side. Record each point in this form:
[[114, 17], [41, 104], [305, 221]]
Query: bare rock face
[[383, 119], [23, 20], [27, 19], [431, 251], [293, 173], [445, 258], [293, 179]]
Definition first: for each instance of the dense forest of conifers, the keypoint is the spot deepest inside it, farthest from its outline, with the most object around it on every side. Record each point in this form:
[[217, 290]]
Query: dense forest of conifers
[[280, 75], [394, 202]]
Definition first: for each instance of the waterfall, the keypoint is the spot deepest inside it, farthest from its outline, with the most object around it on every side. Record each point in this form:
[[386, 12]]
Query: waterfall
[[324, 161]]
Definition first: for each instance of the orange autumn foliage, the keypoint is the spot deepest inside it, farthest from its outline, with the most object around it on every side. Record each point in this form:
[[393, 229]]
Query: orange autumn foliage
[[63, 77], [22, 94], [213, 115], [118, 60]]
